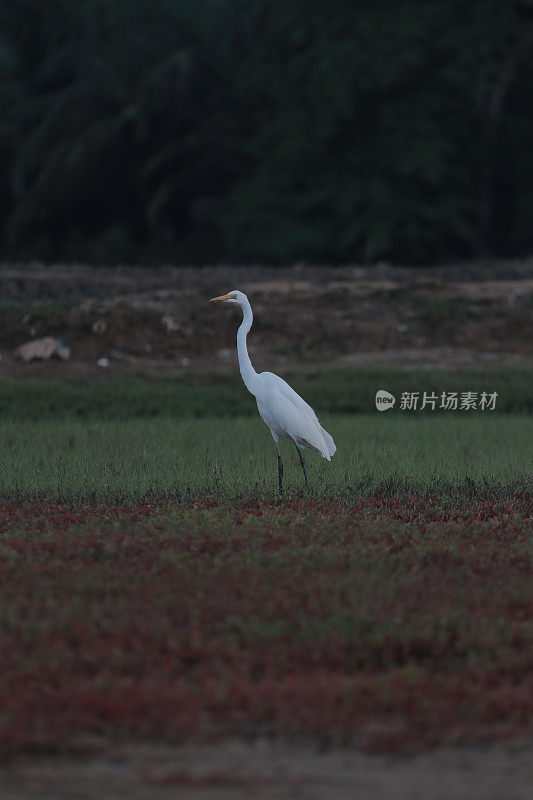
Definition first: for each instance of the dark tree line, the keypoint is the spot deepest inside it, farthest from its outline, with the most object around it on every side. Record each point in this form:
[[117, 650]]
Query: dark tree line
[[319, 130]]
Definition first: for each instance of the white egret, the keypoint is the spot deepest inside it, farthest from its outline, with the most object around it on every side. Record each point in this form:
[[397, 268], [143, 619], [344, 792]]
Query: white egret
[[280, 407]]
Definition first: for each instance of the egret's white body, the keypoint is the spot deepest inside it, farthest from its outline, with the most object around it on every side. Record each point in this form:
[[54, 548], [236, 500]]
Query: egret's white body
[[280, 407], [288, 415]]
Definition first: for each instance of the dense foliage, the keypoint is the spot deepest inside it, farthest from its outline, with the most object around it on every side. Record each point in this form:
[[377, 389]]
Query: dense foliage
[[200, 130]]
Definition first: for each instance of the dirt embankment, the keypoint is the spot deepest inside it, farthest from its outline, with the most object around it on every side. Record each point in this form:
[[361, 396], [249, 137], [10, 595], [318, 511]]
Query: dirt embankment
[[233, 770], [159, 320]]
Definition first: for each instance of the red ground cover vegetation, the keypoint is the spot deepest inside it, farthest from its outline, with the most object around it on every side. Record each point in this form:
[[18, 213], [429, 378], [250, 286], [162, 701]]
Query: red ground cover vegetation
[[392, 623]]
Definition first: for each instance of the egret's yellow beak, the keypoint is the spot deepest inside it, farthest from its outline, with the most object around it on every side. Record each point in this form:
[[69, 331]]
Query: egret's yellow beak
[[221, 298]]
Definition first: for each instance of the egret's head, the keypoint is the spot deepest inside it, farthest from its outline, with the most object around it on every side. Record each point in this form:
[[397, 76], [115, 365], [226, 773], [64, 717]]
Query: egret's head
[[235, 297]]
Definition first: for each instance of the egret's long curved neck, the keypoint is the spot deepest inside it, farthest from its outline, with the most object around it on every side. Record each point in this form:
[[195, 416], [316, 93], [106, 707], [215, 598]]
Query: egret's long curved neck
[[249, 375]]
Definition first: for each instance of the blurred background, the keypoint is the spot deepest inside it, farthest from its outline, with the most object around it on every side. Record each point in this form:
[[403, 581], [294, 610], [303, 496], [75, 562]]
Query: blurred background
[[390, 140], [329, 131]]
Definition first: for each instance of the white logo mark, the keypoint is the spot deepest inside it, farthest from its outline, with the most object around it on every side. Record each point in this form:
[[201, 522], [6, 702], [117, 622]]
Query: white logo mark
[[384, 400]]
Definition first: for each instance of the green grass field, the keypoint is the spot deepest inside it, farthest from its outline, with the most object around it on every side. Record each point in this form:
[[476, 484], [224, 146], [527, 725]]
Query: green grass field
[[339, 391], [130, 437], [183, 458], [153, 585]]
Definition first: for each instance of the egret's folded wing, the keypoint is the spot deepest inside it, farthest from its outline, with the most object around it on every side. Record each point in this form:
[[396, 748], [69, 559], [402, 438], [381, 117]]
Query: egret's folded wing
[[295, 421], [289, 393]]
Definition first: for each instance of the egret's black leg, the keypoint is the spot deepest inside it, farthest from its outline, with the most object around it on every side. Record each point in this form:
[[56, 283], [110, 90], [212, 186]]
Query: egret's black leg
[[302, 462], [280, 470]]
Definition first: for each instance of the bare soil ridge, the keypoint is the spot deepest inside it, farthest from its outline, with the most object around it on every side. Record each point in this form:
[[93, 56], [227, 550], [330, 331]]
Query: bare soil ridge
[[159, 320], [233, 770]]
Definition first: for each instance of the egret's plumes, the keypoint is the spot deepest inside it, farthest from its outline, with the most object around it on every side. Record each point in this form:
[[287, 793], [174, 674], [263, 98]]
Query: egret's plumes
[[280, 407]]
